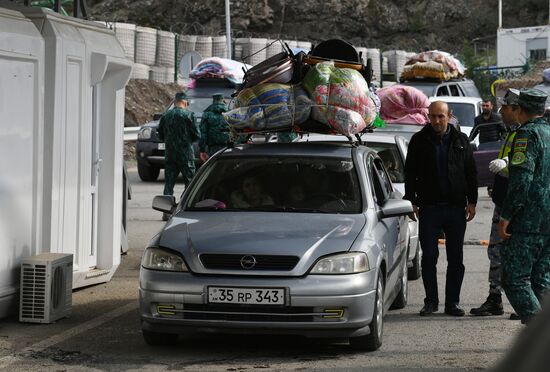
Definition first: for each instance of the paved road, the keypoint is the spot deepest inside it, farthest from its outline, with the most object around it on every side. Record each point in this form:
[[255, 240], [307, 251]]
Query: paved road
[[103, 334]]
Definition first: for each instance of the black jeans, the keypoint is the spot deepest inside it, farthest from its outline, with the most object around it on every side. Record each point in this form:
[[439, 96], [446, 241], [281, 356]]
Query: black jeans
[[452, 220]]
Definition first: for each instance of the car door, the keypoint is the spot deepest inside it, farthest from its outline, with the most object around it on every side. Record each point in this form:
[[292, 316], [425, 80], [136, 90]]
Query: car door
[[382, 191]]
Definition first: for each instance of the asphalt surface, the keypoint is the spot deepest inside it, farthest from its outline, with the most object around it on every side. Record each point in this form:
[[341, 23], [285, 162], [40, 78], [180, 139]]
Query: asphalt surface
[[103, 333]]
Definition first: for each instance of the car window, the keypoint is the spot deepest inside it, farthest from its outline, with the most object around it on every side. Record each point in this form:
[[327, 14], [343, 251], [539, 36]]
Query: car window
[[277, 184], [469, 88], [465, 112], [392, 159], [442, 91], [455, 91], [382, 188]]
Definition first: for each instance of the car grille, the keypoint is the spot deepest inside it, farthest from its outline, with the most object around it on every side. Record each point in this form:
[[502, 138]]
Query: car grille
[[263, 262], [245, 313]]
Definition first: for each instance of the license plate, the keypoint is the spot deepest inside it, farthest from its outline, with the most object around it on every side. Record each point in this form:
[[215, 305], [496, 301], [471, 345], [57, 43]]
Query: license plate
[[162, 146], [248, 296]]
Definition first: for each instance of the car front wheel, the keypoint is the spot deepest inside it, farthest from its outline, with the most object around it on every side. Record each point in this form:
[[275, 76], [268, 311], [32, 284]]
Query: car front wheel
[[148, 173], [159, 339], [373, 340]]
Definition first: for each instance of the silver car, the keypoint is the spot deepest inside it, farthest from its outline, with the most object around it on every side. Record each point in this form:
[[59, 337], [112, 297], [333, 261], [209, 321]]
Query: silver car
[[392, 149], [300, 238]]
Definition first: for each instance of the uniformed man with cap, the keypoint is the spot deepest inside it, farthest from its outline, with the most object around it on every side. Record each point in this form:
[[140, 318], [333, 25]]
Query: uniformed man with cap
[[526, 210], [214, 129], [178, 129], [499, 166]]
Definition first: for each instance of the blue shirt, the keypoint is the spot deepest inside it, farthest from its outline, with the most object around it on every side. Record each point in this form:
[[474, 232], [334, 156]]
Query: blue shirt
[[441, 144]]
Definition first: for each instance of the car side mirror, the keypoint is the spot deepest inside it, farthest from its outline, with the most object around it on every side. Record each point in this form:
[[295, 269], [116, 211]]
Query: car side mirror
[[164, 203], [157, 116], [396, 207], [473, 145]]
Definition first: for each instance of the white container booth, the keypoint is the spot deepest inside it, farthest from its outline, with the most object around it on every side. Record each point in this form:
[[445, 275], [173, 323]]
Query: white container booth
[[86, 71], [21, 134]]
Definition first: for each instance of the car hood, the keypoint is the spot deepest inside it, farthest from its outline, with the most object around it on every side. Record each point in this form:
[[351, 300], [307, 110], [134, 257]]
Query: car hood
[[305, 235]]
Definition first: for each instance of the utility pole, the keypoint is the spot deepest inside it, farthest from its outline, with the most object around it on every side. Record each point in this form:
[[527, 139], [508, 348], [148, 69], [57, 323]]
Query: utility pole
[[500, 14], [228, 28]]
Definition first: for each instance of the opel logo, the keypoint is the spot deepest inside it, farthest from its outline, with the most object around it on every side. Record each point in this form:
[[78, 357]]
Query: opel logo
[[248, 262]]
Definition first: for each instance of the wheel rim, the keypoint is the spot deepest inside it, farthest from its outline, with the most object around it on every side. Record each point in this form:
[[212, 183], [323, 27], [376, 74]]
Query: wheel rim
[[379, 308]]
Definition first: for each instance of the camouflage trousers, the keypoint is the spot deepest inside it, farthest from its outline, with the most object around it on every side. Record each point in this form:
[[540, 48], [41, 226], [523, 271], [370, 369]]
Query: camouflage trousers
[[493, 252], [172, 170], [526, 271]]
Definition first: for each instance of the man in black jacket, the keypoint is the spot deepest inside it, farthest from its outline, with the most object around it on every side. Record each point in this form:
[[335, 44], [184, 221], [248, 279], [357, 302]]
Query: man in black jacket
[[489, 124], [441, 183]]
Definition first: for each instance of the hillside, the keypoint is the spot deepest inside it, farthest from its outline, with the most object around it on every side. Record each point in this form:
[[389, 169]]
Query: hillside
[[387, 24]]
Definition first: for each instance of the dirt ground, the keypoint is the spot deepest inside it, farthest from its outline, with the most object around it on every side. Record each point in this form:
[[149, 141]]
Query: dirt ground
[[143, 99]]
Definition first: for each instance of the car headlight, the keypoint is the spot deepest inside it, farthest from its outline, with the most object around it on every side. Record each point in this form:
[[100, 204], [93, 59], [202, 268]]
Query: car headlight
[[346, 263], [161, 259], [145, 133]]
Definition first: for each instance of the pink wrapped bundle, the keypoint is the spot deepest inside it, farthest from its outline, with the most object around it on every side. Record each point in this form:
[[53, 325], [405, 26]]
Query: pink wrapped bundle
[[402, 104]]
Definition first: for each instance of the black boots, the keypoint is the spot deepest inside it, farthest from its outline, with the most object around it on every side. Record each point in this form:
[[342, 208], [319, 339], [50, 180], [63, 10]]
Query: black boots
[[493, 306]]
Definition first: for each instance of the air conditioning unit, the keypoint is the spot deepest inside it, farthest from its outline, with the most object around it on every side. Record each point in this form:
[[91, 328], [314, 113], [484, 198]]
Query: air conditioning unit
[[46, 287]]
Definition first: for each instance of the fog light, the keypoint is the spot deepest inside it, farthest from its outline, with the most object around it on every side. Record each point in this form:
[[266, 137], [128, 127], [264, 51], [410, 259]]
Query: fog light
[[165, 309], [142, 154], [333, 313]]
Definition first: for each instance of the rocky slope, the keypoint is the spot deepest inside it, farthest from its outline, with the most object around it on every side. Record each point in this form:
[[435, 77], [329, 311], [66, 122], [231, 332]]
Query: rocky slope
[[386, 24]]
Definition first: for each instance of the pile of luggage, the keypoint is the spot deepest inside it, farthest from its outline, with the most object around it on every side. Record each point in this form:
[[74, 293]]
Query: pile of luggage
[[432, 65], [326, 91]]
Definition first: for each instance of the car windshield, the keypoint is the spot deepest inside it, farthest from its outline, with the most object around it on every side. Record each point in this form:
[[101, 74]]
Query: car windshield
[[392, 160], [277, 184], [465, 113]]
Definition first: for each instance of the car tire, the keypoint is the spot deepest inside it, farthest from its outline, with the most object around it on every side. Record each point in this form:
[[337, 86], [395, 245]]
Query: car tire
[[148, 173], [415, 271], [158, 339], [373, 340], [403, 295]]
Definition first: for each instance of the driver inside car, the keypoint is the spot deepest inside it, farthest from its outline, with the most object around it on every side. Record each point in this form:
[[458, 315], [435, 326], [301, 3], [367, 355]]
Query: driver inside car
[[251, 194]]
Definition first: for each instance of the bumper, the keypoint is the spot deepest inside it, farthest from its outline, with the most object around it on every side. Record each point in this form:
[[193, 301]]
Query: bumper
[[316, 305], [148, 154]]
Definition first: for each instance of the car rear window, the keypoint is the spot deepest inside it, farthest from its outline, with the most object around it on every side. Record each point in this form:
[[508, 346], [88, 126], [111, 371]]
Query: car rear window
[[277, 184]]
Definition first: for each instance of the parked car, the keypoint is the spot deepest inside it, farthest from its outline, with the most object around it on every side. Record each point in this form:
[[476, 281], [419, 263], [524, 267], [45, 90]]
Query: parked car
[[318, 250], [150, 149], [392, 149], [451, 88]]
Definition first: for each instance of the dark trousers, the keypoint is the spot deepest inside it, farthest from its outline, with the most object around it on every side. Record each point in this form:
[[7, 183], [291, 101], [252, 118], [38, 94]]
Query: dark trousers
[[452, 221]]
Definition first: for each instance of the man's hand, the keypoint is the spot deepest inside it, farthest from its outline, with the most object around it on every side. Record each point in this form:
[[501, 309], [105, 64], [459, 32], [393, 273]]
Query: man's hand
[[414, 215], [203, 156], [497, 165], [470, 212], [502, 229]]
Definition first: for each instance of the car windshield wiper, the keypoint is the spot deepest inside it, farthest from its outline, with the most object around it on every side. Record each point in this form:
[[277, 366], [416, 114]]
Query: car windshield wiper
[[212, 208], [285, 209]]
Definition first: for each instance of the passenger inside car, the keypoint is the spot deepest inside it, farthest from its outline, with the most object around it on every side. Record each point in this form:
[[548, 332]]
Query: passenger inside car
[[251, 194], [391, 165]]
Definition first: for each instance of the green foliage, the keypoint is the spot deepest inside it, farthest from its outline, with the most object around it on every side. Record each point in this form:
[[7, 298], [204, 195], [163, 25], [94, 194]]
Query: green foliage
[[471, 61]]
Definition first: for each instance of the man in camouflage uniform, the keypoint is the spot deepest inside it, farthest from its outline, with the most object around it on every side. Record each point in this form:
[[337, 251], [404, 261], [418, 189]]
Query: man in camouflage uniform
[[524, 218], [214, 129], [499, 166], [177, 128]]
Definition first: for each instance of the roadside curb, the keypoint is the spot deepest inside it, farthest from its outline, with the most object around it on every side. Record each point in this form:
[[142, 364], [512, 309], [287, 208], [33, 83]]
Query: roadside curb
[[469, 242]]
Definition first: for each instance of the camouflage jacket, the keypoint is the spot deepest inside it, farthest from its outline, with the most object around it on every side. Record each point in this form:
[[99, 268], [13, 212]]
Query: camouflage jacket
[[214, 129], [527, 203], [179, 130]]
